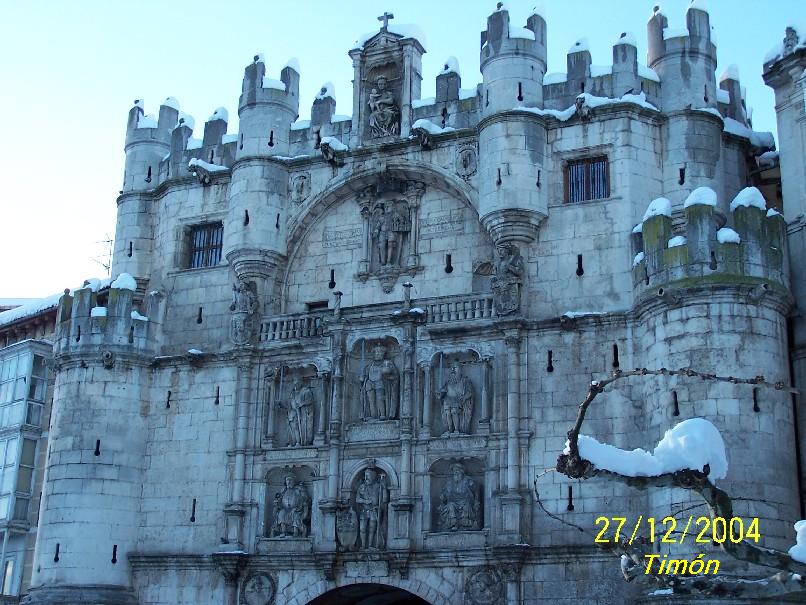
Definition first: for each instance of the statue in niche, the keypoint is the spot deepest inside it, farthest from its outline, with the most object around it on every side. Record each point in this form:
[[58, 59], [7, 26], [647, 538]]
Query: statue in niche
[[384, 114], [457, 401], [292, 510], [506, 282], [371, 499], [244, 306], [299, 413], [460, 508], [390, 226], [380, 387]]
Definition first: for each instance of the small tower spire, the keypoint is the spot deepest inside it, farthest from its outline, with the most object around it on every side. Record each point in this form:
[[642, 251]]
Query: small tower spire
[[385, 17]]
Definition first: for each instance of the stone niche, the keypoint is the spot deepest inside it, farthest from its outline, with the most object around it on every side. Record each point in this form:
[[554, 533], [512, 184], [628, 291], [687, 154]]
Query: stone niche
[[457, 499], [458, 388], [363, 523], [372, 405], [382, 94], [287, 510], [294, 396]]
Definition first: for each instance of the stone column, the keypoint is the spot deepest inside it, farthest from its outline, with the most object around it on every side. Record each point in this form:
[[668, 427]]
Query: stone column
[[406, 407], [405, 96], [414, 193], [364, 200], [513, 341], [426, 367], [235, 511], [230, 565], [486, 395], [319, 437], [271, 380]]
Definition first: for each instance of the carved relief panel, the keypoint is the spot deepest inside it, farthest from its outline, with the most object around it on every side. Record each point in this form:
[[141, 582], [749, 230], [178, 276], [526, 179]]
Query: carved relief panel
[[458, 388], [363, 523], [296, 398], [288, 503], [382, 95], [457, 496], [374, 378]]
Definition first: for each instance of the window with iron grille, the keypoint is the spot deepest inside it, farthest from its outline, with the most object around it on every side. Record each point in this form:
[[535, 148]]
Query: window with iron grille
[[205, 245], [587, 179]]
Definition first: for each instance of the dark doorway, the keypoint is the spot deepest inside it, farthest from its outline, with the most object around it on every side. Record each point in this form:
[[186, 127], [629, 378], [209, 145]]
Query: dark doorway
[[368, 594]]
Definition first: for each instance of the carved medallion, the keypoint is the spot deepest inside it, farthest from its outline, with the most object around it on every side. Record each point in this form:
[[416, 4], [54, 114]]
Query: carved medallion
[[259, 589], [484, 587], [300, 187], [466, 162]]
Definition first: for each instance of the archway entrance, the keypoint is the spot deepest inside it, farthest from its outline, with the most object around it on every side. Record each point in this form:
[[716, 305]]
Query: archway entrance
[[368, 594]]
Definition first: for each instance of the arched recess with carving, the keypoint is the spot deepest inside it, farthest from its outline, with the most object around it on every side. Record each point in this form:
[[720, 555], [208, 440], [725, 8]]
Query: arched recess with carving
[[332, 247]]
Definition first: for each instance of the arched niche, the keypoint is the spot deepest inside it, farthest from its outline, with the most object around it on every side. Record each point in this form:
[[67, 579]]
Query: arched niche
[[450, 391], [363, 401], [288, 503], [331, 243], [363, 523], [294, 395], [457, 495]]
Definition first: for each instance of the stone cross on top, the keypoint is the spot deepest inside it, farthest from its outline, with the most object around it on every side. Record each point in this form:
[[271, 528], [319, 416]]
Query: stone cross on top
[[385, 17]]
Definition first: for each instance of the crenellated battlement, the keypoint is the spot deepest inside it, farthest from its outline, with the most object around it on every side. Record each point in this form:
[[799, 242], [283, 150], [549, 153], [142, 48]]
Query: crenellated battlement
[[702, 250], [83, 326]]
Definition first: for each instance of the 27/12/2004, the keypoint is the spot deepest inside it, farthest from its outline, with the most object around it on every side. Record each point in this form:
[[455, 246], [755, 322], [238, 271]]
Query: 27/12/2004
[[702, 530]]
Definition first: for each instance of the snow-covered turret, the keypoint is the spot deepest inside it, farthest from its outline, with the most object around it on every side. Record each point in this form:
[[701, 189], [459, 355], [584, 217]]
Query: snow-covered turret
[[266, 109], [513, 62], [147, 141]]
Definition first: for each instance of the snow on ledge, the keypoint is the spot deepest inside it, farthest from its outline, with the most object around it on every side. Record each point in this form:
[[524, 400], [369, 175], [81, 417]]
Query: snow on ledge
[[430, 127], [452, 66], [756, 138], [798, 552], [272, 83], [406, 30], [40, 305], [626, 38], [677, 240], [701, 196], [690, 444], [590, 101], [576, 314], [195, 162], [658, 207], [220, 113], [327, 90], [147, 121], [638, 258], [136, 315], [747, 197], [556, 77], [334, 144], [417, 103], [124, 282], [726, 235], [521, 32], [579, 46], [301, 125], [171, 102], [98, 312]]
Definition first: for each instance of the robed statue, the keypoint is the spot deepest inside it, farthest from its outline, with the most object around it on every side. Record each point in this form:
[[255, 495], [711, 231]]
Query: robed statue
[[384, 114], [460, 507], [299, 413], [457, 401], [292, 509], [380, 387]]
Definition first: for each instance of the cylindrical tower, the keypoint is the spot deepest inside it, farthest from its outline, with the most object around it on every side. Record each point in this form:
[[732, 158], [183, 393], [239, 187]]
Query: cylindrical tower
[[89, 512], [512, 200]]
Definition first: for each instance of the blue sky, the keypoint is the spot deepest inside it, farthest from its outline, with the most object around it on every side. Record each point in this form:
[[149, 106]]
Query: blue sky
[[71, 70]]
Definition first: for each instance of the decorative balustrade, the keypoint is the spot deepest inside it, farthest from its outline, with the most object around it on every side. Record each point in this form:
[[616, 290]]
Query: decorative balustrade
[[289, 327], [460, 308]]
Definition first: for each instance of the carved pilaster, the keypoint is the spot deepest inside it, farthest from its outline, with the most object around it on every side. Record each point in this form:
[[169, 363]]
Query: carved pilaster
[[365, 199], [426, 368], [270, 390], [324, 380], [513, 342], [414, 194], [486, 395]]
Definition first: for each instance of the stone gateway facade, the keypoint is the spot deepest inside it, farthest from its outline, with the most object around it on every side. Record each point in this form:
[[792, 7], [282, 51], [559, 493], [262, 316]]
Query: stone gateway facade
[[341, 352]]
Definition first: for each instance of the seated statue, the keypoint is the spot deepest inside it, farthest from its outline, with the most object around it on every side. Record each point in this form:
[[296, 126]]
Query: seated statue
[[460, 508], [292, 508]]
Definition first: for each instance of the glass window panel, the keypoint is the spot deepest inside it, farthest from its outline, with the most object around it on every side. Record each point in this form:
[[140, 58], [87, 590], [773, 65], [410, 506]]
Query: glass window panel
[[24, 475], [34, 417], [28, 452], [4, 507], [11, 452], [7, 482], [21, 388], [5, 392], [21, 509], [8, 577], [39, 368], [16, 413], [37, 389]]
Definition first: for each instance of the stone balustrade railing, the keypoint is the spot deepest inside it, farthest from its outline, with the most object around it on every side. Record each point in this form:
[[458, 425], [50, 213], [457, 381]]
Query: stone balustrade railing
[[289, 327]]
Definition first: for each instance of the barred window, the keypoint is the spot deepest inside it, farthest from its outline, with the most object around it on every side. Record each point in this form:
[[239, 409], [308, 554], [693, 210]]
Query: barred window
[[587, 179], [205, 245]]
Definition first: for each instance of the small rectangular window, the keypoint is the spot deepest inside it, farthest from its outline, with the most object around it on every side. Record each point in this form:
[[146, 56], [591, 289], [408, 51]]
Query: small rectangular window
[[205, 245], [587, 179]]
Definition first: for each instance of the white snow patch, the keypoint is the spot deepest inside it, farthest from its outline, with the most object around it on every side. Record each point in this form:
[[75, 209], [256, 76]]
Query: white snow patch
[[731, 72], [193, 163], [452, 66], [406, 30], [229, 138], [726, 235], [340, 118], [638, 258], [648, 73], [773, 212], [590, 101], [293, 63], [430, 127], [575, 314], [658, 207], [417, 103], [521, 32], [798, 552], [136, 315], [757, 139], [147, 121], [272, 83], [723, 96], [676, 241], [669, 33], [777, 51], [556, 77], [301, 125], [95, 284], [601, 70], [468, 93], [98, 312], [171, 102], [124, 282], [704, 196], [626, 38], [639, 228], [194, 143], [186, 119], [712, 110], [660, 591], [138, 103], [195, 352], [579, 46], [698, 5], [40, 305], [749, 196], [259, 58], [220, 113], [334, 144], [691, 444], [327, 90]]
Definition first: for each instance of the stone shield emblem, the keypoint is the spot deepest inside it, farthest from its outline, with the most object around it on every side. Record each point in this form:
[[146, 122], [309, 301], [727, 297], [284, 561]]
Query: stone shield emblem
[[347, 528], [259, 589]]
